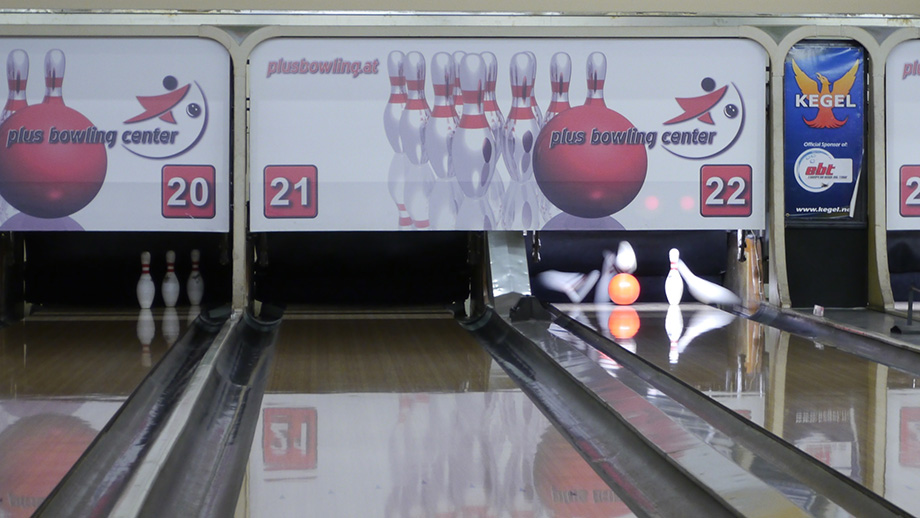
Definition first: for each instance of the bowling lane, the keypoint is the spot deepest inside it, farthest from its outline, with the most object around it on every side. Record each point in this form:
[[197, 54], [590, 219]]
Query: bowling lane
[[62, 377], [406, 415], [857, 416]]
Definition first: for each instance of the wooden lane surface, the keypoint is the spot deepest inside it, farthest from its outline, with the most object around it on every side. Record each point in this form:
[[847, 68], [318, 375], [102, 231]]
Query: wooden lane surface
[[352, 353], [71, 355]]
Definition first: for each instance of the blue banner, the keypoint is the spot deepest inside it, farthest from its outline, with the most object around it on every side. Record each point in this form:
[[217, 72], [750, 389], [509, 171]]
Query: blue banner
[[824, 118]]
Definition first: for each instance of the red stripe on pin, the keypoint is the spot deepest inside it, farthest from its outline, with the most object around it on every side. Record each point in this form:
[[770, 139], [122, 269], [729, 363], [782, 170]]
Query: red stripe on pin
[[399, 98], [520, 113], [477, 121], [416, 104]]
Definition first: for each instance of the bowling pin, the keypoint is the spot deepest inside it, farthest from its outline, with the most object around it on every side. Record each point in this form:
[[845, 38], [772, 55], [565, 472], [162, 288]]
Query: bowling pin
[[194, 287], [145, 287], [445, 198], [575, 285], [560, 75], [537, 113], [496, 122], [608, 270], [473, 148], [392, 114], [170, 286], [597, 72], [626, 258], [419, 185], [397, 101], [415, 116], [457, 91], [673, 284], [17, 75], [146, 330], [443, 122], [674, 326], [521, 126], [703, 321], [54, 76], [705, 291]]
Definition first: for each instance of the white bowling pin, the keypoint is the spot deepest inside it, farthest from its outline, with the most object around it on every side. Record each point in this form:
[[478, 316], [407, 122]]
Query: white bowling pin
[[705, 291], [626, 258], [674, 326], [397, 101], [443, 122], [473, 149], [170, 286], [145, 287], [560, 75], [194, 287], [608, 270], [17, 75], [520, 209], [415, 116], [537, 113], [597, 73], [55, 64], [457, 91], [574, 284], [521, 126], [673, 284], [496, 122]]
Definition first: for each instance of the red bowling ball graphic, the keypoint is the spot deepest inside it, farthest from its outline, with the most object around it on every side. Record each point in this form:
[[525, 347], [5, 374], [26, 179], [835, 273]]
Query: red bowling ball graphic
[[48, 169], [584, 164], [35, 454]]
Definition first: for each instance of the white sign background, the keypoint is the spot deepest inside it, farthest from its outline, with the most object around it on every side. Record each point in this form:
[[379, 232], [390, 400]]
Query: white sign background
[[335, 121], [902, 97], [103, 78]]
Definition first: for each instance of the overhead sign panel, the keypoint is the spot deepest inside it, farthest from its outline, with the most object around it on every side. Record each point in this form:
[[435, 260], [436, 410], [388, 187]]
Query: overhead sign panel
[[115, 134], [480, 134]]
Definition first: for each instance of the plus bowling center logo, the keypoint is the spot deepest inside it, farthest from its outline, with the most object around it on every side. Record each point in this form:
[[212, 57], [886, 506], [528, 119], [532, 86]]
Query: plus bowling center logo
[[591, 162], [53, 159]]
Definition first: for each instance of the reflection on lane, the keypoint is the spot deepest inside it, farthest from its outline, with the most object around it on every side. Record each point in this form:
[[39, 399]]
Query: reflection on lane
[[62, 378], [472, 454], [854, 415]]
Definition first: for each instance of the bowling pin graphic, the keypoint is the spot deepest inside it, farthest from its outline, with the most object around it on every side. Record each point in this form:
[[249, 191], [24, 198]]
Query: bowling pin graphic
[[194, 287], [597, 73], [396, 177], [496, 122], [17, 75], [520, 208], [54, 76], [419, 179], [457, 91], [560, 75], [170, 286], [397, 101], [537, 113], [673, 284], [445, 198], [145, 287], [472, 150]]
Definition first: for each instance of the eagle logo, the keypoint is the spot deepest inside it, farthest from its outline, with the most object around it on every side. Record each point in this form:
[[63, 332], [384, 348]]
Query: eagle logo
[[825, 95]]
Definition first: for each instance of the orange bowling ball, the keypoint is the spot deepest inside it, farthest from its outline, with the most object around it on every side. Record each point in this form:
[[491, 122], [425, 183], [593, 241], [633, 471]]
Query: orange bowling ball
[[623, 289], [623, 323]]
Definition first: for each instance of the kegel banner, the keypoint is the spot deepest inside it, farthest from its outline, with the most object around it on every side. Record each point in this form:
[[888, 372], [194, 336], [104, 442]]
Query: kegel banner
[[824, 120]]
